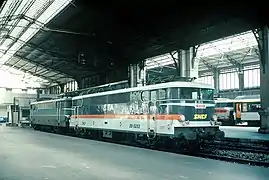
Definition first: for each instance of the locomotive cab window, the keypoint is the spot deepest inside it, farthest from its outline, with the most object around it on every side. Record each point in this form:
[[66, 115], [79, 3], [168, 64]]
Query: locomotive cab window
[[162, 109], [145, 95], [153, 95], [174, 93], [207, 94], [191, 93], [162, 94]]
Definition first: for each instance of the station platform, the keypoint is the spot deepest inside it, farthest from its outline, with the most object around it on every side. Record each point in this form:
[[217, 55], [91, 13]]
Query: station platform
[[244, 132], [26, 154]]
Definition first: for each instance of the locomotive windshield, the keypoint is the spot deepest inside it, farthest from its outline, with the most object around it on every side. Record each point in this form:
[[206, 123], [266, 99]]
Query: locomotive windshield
[[191, 93]]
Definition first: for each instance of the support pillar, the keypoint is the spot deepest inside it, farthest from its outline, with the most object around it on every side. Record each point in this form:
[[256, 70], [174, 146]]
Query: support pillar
[[80, 85], [61, 88], [46, 91], [38, 92], [264, 79], [216, 80], [137, 75], [241, 78]]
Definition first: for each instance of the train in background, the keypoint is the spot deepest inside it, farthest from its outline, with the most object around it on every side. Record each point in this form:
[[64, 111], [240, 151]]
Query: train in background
[[242, 109], [178, 113], [247, 109], [224, 110]]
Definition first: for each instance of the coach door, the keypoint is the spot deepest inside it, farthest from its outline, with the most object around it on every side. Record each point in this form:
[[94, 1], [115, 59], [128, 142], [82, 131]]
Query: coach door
[[238, 111], [59, 107], [75, 112], [152, 108]]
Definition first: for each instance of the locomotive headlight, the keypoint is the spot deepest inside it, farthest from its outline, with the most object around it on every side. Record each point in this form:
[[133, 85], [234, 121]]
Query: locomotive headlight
[[214, 117], [182, 117]]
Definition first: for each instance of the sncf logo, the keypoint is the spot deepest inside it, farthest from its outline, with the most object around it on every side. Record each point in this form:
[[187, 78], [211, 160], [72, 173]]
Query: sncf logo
[[200, 116]]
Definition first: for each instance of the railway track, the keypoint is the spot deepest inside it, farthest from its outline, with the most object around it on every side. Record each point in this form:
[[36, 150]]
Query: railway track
[[252, 152], [233, 159], [240, 145], [242, 151]]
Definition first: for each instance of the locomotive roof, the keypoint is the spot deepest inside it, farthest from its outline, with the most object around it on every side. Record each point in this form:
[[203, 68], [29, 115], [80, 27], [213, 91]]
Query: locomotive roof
[[51, 100], [247, 100], [224, 100], [248, 97], [150, 87]]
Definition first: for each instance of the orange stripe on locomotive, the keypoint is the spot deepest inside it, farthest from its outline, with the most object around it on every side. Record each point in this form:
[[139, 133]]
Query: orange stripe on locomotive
[[128, 116]]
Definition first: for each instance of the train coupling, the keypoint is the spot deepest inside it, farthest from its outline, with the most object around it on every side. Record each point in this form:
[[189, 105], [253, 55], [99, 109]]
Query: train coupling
[[151, 134], [220, 135], [215, 123]]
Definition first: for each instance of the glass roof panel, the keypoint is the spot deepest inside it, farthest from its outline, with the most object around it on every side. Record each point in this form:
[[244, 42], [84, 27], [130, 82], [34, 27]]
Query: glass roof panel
[[16, 17], [215, 48], [227, 44]]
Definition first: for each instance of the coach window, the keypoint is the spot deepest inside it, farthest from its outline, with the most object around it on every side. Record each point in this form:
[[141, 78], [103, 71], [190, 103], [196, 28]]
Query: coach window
[[254, 107], [245, 107]]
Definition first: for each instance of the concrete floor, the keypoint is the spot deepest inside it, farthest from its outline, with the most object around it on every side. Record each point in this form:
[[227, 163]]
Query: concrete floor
[[244, 132], [31, 155]]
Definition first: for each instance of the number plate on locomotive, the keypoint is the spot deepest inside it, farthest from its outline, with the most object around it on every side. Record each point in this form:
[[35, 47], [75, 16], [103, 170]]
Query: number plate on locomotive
[[136, 126]]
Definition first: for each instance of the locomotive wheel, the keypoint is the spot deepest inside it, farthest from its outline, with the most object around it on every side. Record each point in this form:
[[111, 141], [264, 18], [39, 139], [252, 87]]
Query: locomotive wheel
[[56, 129], [82, 132], [76, 129]]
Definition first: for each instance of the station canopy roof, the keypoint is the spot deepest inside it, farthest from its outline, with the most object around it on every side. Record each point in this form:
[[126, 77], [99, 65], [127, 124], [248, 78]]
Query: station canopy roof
[[20, 21], [21, 54], [229, 52]]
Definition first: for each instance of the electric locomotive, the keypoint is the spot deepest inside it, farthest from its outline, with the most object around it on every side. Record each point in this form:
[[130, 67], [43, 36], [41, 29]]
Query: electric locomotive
[[51, 114], [175, 111]]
